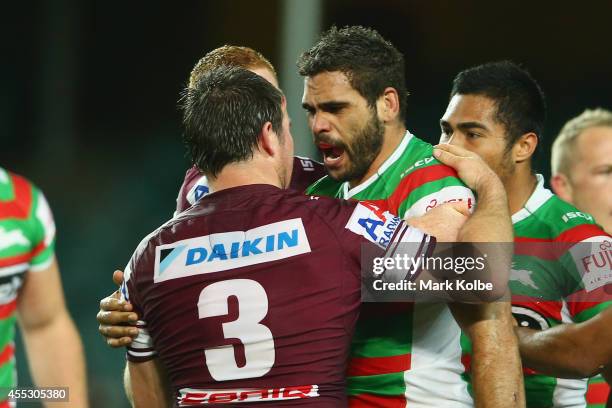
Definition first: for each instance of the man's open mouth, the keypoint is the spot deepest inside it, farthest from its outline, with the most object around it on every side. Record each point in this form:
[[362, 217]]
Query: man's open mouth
[[332, 155]]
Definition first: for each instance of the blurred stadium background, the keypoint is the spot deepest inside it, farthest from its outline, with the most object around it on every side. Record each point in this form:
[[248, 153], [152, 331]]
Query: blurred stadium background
[[89, 90]]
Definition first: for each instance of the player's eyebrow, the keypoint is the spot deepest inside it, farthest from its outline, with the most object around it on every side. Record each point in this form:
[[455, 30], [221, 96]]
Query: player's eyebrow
[[471, 125], [445, 124], [330, 106]]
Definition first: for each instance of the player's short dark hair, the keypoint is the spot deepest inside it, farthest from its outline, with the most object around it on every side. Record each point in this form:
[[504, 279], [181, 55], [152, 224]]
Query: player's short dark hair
[[520, 104], [370, 62], [223, 114]]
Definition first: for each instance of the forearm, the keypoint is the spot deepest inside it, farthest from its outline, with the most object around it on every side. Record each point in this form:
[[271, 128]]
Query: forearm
[[55, 356], [496, 370], [490, 231], [491, 221], [562, 351], [146, 385]]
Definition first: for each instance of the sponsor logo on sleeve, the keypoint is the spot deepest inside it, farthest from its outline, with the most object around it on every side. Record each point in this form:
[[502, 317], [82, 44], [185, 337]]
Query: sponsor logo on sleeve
[[371, 222], [229, 250], [199, 190], [448, 194]]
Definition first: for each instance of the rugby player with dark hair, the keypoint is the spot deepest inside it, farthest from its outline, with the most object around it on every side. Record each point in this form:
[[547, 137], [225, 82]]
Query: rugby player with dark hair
[[497, 110], [252, 294], [355, 99]]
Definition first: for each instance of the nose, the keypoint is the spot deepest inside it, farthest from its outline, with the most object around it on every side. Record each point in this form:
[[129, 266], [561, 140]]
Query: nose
[[319, 123], [456, 140]]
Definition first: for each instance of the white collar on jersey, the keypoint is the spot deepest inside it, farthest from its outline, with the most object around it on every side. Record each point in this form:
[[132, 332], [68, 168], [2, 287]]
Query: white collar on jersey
[[4, 179], [397, 153], [539, 196]]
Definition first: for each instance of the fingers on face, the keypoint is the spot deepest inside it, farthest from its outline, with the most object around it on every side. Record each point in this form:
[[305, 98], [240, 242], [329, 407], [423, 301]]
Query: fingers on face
[[456, 150]]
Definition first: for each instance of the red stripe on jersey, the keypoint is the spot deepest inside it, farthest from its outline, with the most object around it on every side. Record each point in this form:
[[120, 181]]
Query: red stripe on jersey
[[14, 260], [7, 353], [416, 179], [376, 401], [23, 258], [19, 207], [597, 393], [550, 250], [582, 300], [38, 249], [466, 360], [576, 234], [580, 233], [7, 309], [359, 366], [550, 309], [5, 404]]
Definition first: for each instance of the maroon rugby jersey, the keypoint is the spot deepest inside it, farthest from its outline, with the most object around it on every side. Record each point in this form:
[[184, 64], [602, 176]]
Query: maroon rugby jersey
[[195, 186], [252, 294]]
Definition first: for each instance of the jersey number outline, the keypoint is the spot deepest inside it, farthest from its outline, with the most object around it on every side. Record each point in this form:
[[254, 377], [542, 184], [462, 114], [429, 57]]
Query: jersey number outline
[[256, 338]]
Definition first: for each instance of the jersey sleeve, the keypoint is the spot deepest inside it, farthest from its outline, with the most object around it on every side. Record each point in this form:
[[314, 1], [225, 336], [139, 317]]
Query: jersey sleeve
[[589, 264], [141, 349], [43, 232], [370, 226], [425, 188], [194, 187]]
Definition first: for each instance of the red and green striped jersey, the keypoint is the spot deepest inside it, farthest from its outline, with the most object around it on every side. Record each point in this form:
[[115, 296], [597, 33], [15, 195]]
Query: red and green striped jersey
[[556, 278], [27, 236], [405, 354], [597, 392]]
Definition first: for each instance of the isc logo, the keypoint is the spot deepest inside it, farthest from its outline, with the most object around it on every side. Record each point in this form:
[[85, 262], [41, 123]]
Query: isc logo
[[576, 214], [416, 164]]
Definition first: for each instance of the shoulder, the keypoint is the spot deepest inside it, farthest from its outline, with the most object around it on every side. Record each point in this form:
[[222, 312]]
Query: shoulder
[[191, 175], [324, 186], [17, 192], [423, 182], [305, 172], [558, 220]]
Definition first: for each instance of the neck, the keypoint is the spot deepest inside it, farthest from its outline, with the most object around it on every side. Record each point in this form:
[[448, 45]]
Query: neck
[[244, 173], [519, 187], [391, 140]]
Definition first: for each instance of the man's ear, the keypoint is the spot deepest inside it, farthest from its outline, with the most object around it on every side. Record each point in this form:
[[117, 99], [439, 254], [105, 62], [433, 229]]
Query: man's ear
[[562, 187], [268, 140], [388, 105], [525, 147]]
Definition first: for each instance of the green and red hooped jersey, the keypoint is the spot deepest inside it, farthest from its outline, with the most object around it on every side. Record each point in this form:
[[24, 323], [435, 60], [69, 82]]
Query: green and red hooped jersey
[[405, 354], [27, 237], [557, 277], [597, 392]]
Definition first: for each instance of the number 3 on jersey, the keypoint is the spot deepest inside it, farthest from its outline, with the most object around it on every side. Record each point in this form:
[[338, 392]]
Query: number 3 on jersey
[[257, 339]]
